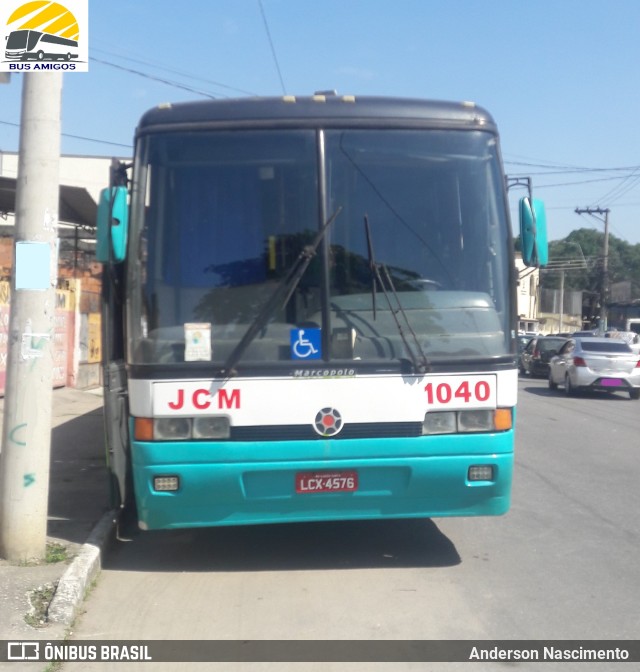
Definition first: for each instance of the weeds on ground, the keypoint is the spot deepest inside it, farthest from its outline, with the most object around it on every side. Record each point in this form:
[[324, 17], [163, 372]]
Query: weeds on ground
[[40, 599], [56, 553]]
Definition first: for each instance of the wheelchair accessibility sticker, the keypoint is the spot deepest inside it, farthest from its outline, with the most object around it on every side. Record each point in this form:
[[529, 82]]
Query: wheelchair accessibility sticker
[[306, 343]]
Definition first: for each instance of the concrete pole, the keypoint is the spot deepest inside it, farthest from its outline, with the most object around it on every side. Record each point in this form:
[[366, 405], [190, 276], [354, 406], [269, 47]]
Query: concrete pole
[[604, 287], [560, 321], [605, 274], [26, 438]]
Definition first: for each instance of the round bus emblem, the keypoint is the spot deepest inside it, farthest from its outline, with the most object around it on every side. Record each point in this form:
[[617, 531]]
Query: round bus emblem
[[328, 422]]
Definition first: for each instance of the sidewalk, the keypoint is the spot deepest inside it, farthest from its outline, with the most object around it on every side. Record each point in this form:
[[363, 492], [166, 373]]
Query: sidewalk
[[79, 520]]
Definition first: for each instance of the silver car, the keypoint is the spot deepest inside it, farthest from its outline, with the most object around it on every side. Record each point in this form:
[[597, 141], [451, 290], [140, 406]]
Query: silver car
[[605, 364]]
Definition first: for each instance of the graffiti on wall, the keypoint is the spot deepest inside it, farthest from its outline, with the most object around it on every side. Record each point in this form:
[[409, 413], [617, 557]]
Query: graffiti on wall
[[64, 335]]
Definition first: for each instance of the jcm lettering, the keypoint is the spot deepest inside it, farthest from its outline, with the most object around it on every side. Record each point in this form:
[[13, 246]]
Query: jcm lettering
[[202, 399]]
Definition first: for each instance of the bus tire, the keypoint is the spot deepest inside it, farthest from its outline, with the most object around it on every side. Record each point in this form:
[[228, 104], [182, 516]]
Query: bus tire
[[40, 55], [128, 521], [128, 527], [634, 394]]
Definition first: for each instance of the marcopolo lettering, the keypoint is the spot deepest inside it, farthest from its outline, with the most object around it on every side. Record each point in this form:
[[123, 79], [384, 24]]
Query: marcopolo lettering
[[324, 373]]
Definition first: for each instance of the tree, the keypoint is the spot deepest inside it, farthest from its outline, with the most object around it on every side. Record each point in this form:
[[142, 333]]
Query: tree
[[623, 265]]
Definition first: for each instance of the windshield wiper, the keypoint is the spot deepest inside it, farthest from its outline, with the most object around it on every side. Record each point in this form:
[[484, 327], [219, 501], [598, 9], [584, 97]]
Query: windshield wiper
[[280, 297], [372, 264], [419, 361]]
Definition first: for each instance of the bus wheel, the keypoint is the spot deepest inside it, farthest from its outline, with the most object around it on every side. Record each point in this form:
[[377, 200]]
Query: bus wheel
[[68, 57], [40, 55], [128, 520]]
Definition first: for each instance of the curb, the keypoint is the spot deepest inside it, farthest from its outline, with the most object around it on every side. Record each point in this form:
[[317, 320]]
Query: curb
[[81, 572]]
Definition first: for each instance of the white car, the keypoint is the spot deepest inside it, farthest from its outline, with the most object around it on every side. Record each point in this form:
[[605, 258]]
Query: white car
[[629, 337], [590, 363]]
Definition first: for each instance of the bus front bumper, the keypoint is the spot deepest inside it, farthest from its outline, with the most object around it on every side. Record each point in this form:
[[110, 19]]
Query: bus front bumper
[[394, 480]]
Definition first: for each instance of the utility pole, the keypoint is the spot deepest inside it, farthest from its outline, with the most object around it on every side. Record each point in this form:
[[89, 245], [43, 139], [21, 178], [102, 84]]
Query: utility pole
[[26, 437], [604, 291]]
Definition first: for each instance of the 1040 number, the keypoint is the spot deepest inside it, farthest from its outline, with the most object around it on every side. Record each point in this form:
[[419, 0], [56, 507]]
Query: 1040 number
[[444, 393]]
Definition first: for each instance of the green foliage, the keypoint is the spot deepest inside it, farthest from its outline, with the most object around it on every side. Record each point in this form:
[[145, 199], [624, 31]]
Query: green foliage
[[624, 262], [40, 599], [55, 553]]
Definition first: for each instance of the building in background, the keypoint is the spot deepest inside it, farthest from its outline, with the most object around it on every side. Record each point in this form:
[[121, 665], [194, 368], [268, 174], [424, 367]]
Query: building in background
[[77, 338], [528, 298]]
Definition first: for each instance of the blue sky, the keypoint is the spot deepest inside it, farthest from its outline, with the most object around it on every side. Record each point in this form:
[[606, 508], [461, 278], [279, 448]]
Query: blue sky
[[559, 76]]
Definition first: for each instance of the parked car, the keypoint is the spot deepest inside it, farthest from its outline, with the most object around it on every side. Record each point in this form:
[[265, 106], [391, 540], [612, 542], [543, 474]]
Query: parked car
[[534, 359], [629, 337], [583, 334], [592, 363], [523, 341]]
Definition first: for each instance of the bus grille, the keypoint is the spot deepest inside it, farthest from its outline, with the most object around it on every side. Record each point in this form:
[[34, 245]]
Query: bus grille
[[367, 430]]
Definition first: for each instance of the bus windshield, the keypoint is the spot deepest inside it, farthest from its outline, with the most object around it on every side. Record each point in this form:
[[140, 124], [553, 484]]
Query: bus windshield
[[219, 219]]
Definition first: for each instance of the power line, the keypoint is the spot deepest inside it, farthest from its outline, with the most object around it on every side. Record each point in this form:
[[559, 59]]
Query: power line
[[621, 189], [628, 181], [169, 82], [77, 137], [547, 163], [571, 184], [174, 72], [570, 169], [273, 51]]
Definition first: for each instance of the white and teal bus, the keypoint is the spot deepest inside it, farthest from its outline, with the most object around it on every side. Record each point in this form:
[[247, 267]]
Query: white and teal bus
[[309, 312]]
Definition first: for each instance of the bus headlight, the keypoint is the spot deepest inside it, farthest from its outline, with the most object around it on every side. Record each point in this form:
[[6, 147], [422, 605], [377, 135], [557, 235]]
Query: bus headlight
[[466, 422], [476, 421], [171, 429], [213, 427], [441, 422]]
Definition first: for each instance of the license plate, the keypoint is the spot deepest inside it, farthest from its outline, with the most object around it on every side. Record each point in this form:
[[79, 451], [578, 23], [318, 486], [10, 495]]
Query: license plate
[[335, 481], [611, 382]]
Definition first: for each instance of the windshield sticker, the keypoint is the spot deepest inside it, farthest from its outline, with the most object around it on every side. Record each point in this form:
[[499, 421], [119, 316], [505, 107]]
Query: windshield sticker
[[197, 342], [306, 343]]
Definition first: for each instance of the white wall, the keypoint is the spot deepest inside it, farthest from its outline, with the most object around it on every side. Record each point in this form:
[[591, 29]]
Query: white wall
[[527, 291], [90, 172]]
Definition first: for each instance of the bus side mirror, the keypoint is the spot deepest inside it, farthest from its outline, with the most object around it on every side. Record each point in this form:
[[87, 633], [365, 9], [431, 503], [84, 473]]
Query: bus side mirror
[[533, 232], [112, 225]]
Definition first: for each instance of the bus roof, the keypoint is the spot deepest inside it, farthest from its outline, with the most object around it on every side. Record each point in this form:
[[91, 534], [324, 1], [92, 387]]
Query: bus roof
[[312, 111]]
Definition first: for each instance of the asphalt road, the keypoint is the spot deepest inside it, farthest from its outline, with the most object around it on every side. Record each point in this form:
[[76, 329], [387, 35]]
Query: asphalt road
[[562, 564]]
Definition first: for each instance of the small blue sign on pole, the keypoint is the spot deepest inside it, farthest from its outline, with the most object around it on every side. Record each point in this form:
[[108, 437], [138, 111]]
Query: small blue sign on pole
[[33, 265]]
